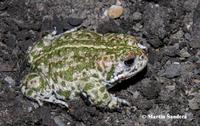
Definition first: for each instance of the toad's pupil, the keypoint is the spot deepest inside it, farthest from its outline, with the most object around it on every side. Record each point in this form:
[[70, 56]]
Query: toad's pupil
[[129, 62]]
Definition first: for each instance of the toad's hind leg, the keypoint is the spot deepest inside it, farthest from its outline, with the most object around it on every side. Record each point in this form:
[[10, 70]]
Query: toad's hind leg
[[35, 86]]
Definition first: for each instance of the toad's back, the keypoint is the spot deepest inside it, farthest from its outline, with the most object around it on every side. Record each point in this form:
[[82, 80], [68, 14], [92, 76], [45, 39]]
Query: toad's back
[[79, 50]]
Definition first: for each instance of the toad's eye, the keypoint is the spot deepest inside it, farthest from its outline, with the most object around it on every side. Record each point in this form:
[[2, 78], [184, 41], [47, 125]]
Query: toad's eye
[[129, 62]]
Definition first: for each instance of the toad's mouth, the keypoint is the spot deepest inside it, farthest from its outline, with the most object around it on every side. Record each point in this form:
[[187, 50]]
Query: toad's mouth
[[124, 71]]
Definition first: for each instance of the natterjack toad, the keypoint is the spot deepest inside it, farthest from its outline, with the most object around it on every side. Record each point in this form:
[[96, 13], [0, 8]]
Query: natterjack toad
[[85, 63]]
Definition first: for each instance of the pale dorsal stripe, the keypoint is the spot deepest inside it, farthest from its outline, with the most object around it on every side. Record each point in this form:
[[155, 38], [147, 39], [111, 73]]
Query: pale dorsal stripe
[[78, 46]]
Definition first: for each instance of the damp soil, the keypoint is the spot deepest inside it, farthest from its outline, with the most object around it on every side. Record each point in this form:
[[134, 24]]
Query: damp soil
[[170, 85]]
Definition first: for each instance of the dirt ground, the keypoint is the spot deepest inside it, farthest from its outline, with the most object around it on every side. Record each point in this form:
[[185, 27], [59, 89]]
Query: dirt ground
[[170, 85]]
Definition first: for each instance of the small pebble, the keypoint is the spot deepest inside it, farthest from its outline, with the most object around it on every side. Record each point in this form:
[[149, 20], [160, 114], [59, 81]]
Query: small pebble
[[115, 11], [47, 23], [137, 16], [136, 94], [58, 121], [184, 53], [197, 81], [189, 115], [35, 105], [9, 80], [11, 40], [194, 104], [30, 109], [171, 87], [137, 27], [172, 71], [75, 21]]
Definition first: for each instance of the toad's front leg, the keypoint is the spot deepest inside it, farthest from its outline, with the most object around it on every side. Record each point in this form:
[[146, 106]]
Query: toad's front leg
[[98, 95]]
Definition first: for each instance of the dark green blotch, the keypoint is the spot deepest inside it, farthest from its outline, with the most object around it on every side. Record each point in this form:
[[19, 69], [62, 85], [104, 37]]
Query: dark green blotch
[[105, 96], [63, 83], [43, 83], [30, 92], [68, 75], [66, 94], [55, 75], [102, 89], [88, 86], [81, 66], [37, 89], [99, 103], [40, 44], [110, 73]]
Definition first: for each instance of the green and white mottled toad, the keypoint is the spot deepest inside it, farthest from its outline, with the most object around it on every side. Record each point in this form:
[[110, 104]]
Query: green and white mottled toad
[[82, 63]]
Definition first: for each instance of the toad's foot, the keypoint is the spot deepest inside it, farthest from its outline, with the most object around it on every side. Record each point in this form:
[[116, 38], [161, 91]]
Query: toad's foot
[[116, 102], [54, 100]]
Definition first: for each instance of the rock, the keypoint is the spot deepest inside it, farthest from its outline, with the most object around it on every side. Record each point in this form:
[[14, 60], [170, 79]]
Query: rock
[[58, 24], [171, 87], [115, 11], [6, 67], [171, 50], [63, 25], [30, 109], [47, 23], [35, 105], [196, 28], [194, 103], [149, 89], [172, 71], [9, 80], [155, 19], [144, 104], [155, 42], [182, 45], [187, 36], [12, 26], [184, 53], [75, 21], [109, 27], [25, 44], [25, 35], [153, 56], [168, 90], [190, 5], [6, 57], [2, 6], [11, 40], [58, 121], [176, 37], [189, 115], [135, 94], [195, 41], [137, 27], [67, 26], [194, 59], [34, 26], [137, 16]]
